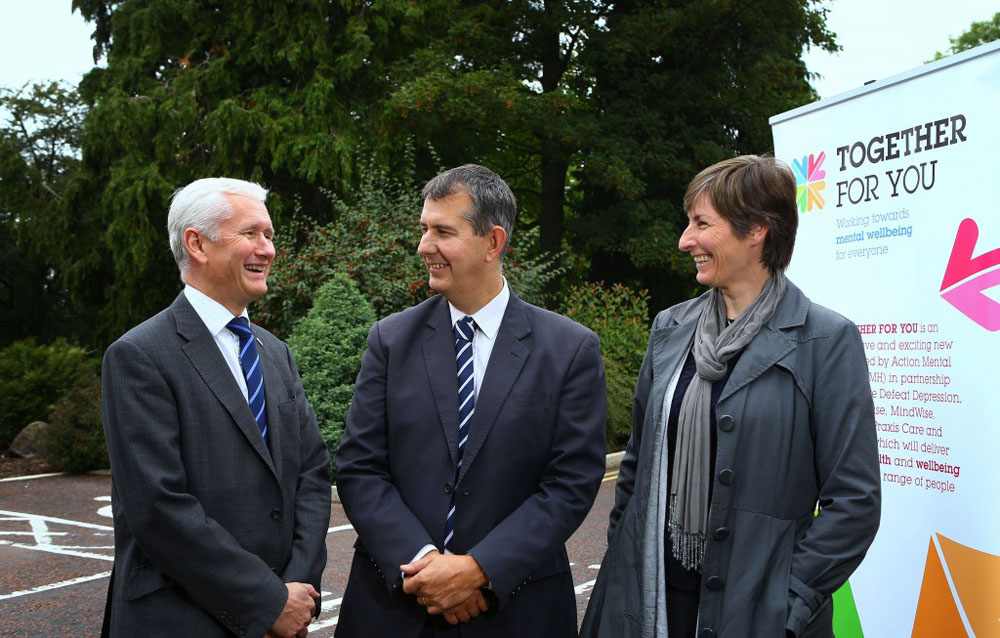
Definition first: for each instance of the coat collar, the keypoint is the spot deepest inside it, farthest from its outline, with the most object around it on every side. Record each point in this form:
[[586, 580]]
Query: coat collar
[[671, 342], [203, 352]]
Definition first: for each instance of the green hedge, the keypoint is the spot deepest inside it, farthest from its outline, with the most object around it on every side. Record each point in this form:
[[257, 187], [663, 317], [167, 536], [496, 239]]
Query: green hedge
[[33, 377], [74, 441], [619, 317], [328, 343]]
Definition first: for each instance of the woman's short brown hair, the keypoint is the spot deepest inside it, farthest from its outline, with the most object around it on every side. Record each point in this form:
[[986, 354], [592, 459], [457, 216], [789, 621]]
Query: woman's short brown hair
[[750, 190]]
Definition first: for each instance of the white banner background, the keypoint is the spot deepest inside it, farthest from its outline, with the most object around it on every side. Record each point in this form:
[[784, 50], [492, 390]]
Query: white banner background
[[893, 283]]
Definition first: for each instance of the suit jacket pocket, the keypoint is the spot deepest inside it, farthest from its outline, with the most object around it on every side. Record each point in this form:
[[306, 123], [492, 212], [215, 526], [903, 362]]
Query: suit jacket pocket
[[531, 399], [144, 580], [287, 407]]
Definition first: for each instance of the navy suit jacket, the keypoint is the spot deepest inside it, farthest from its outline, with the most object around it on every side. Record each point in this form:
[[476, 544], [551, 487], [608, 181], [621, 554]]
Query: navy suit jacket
[[210, 521], [531, 467]]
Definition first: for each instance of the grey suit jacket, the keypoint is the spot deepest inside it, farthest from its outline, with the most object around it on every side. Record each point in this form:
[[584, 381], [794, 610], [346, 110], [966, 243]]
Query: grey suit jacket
[[210, 521], [531, 467]]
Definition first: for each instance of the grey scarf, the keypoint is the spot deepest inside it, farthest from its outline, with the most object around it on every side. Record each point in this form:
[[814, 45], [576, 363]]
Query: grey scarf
[[715, 343]]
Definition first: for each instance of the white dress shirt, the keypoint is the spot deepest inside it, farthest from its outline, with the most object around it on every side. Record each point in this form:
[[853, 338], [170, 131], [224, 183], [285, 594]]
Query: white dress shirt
[[215, 317], [488, 320]]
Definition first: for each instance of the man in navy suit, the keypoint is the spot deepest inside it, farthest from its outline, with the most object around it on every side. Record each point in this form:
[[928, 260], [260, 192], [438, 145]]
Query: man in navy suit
[[474, 445]]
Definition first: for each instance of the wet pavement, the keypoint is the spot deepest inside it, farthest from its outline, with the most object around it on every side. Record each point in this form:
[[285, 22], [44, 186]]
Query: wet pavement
[[56, 549]]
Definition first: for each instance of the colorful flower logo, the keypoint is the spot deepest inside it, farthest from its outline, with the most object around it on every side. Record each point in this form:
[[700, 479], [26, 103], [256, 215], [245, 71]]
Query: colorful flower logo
[[809, 181]]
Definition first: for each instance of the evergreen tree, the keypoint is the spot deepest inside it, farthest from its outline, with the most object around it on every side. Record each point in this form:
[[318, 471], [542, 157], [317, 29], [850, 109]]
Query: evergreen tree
[[679, 86], [270, 91], [38, 156]]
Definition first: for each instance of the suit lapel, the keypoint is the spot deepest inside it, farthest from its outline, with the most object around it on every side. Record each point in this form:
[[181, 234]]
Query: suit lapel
[[506, 361], [273, 398], [439, 357], [204, 355]]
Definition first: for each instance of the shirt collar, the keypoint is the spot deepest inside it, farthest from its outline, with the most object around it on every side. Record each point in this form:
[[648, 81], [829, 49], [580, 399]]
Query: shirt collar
[[213, 314], [489, 317]]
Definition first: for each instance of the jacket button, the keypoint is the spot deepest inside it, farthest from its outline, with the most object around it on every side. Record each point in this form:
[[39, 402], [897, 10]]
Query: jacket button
[[721, 534], [726, 477], [448, 488], [714, 583], [707, 632], [726, 423], [275, 514]]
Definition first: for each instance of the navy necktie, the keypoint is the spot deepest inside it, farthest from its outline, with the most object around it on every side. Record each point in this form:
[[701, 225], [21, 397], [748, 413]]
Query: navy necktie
[[250, 362], [465, 329]]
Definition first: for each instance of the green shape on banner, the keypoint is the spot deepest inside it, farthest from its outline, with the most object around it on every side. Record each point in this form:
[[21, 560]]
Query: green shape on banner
[[846, 623]]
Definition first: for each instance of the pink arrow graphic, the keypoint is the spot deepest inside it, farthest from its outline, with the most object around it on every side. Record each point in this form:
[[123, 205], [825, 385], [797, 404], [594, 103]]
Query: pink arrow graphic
[[961, 264], [968, 297]]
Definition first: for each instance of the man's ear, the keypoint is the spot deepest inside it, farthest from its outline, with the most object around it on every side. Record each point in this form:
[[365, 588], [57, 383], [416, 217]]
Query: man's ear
[[497, 238], [194, 245]]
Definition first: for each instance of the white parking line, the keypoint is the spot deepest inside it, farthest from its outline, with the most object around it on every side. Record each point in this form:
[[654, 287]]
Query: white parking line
[[33, 476], [55, 549], [340, 528], [65, 583], [20, 516]]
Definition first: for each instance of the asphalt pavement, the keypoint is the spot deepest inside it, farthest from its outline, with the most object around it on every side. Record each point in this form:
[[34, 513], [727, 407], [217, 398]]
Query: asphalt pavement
[[57, 548]]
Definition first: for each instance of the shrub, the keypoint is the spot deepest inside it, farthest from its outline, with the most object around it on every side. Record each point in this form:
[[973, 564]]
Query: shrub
[[33, 377], [74, 440], [619, 317], [328, 343], [373, 239]]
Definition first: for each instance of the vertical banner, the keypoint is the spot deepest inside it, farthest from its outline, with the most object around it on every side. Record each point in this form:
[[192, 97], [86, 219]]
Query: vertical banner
[[899, 203]]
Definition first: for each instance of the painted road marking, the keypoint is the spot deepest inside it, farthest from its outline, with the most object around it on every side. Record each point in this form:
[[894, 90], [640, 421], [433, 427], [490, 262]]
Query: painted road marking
[[65, 583], [52, 519], [33, 476], [610, 476], [339, 528], [42, 535]]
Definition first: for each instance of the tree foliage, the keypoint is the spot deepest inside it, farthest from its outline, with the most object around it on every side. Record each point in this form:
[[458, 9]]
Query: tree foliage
[[38, 154], [981, 32], [597, 113], [679, 86], [274, 92], [502, 83]]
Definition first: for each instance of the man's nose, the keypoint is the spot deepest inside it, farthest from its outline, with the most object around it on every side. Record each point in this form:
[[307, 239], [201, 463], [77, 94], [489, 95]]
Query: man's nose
[[265, 246], [425, 246]]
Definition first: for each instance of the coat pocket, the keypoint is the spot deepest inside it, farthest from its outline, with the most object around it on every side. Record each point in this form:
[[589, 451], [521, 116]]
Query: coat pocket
[[144, 580]]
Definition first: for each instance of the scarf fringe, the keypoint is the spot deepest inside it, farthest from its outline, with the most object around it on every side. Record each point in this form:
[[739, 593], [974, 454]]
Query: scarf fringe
[[687, 547]]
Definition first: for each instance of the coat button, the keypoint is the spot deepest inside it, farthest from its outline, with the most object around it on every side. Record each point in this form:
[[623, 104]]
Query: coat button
[[726, 477], [707, 632], [448, 488], [721, 534], [275, 514], [726, 423], [714, 583]]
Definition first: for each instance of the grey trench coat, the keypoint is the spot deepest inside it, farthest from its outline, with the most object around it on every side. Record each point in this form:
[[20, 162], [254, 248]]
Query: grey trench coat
[[796, 428]]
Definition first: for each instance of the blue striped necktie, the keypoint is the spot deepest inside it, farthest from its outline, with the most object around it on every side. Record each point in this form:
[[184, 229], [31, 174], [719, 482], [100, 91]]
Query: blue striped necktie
[[250, 362], [465, 329]]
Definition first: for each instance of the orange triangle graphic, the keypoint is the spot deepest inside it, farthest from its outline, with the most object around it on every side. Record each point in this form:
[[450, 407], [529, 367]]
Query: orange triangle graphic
[[937, 615], [976, 576]]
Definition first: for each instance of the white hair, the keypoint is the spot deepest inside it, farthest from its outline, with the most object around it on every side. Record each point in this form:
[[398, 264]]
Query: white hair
[[204, 205]]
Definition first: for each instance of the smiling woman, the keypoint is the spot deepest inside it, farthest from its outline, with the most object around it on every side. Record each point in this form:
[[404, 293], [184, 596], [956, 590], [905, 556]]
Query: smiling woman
[[749, 375]]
